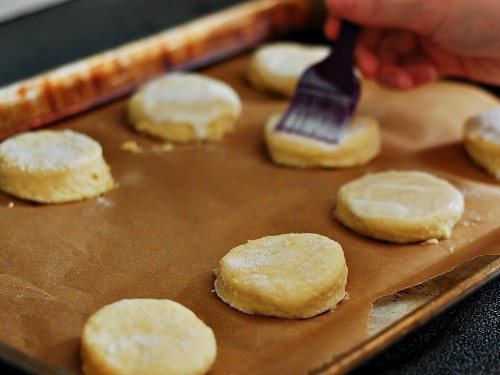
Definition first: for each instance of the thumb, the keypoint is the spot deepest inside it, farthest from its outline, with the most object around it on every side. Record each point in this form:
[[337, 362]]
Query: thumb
[[412, 15]]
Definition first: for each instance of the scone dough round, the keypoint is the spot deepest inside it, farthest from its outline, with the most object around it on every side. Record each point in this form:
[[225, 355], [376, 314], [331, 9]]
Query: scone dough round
[[49, 166], [400, 206], [147, 336], [482, 140], [277, 67], [185, 107], [359, 145], [296, 276]]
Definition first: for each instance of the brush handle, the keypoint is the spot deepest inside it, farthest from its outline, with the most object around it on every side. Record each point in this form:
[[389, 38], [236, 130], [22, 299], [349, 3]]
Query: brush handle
[[344, 48], [339, 65]]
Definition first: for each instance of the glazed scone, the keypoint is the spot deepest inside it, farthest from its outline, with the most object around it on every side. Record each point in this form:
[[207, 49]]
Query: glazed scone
[[400, 206], [276, 67], [358, 146], [147, 336], [482, 140], [50, 166], [295, 276], [185, 107]]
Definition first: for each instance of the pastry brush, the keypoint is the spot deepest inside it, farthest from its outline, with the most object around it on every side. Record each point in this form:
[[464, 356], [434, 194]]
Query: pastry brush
[[326, 94]]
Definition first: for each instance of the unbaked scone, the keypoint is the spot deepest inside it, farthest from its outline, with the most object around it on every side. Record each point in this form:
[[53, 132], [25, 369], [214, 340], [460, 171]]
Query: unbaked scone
[[49, 166], [277, 67], [482, 140], [295, 276], [185, 107], [357, 146], [400, 206], [147, 336]]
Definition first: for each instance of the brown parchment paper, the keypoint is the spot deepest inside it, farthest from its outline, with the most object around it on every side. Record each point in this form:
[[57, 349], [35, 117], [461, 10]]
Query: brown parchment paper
[[173, 214]]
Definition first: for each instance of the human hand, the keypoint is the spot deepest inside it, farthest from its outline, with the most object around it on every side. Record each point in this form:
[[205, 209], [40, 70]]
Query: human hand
[[408, 43]]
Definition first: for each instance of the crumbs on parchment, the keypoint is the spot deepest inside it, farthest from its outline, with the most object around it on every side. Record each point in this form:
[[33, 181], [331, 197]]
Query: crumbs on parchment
[[131, 146], [135, 148]]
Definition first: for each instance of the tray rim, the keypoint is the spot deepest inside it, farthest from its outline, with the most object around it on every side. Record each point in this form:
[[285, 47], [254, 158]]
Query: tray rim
[[108, 75], [412, 321]]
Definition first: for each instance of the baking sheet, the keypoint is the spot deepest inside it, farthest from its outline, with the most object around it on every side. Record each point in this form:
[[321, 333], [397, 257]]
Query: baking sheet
[[175, 212]]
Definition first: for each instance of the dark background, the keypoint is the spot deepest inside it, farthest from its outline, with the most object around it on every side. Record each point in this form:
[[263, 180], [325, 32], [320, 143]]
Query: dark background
[[463, 340]]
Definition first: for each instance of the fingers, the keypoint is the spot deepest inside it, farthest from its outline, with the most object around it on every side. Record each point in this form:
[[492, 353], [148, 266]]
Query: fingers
[[402, 62], [445, 37], [384, 52], [365, 52], [406, 78], [394, 58]]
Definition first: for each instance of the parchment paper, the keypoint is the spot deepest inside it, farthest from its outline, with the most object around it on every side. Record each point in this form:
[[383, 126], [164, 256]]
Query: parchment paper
[[173, 214]]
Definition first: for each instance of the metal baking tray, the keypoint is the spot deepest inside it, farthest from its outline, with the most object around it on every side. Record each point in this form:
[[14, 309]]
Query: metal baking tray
[[94, 83]]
